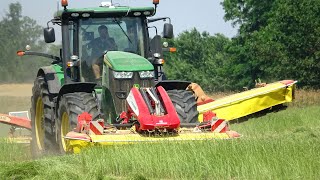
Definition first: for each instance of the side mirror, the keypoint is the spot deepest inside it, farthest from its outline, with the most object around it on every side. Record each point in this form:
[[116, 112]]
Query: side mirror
[[49, 35], [168, 31], [156, 46]]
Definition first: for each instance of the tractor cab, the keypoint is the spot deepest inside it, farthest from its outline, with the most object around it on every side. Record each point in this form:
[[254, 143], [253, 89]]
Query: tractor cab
[[88, 34], [97, 36], [109, 46]]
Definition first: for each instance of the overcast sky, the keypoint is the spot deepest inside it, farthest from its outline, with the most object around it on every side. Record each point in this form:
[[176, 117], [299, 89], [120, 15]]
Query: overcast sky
[[205, 15]]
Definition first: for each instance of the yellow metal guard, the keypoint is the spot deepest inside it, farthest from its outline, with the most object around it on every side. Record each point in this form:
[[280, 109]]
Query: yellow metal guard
[[76, 144], [251, 101]]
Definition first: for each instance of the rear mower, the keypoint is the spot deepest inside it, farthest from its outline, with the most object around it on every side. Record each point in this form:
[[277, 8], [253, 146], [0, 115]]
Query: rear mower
[[131, 101]]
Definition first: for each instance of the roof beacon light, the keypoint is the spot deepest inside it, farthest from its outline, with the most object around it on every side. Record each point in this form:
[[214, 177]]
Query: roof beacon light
[[156, 2], [64, 3]]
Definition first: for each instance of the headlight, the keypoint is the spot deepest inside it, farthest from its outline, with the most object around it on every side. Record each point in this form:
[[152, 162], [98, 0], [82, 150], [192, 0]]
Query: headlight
[[122, 75], [146, 74]]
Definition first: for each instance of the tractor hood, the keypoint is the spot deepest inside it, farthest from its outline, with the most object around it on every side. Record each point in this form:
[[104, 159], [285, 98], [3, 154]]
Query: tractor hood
[[124, 61]]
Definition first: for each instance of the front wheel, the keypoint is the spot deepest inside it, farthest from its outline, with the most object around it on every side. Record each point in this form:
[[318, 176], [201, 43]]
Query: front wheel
[[41, 118], [70, 106], [186, 105]]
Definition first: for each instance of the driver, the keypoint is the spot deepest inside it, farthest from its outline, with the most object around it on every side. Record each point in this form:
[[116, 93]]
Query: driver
[[99, 46]]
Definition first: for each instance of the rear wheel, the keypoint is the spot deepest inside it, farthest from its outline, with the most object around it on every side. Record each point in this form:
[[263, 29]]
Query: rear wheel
[[186, 106], [70, 106], [41, 113]]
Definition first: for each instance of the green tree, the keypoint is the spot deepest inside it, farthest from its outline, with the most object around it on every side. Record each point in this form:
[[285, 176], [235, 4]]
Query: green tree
[[251, 15], [16, 31], [199, 58], [278, 39]]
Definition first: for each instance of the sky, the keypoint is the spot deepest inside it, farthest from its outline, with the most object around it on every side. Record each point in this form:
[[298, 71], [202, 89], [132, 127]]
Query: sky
[[205, 15]]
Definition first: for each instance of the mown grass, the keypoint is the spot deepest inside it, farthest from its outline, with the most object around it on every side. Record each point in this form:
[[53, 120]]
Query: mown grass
[[282, 145]]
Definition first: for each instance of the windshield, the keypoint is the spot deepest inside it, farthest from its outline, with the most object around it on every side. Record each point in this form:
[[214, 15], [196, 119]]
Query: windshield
[[99, 35]]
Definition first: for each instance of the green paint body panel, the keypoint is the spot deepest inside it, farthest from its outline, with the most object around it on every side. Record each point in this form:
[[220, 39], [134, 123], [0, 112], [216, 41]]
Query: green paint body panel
[[124, 61], [105, 10], [59, 73]]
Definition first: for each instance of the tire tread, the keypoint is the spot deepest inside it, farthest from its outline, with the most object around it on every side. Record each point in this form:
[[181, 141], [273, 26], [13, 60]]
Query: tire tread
[[185, 104]]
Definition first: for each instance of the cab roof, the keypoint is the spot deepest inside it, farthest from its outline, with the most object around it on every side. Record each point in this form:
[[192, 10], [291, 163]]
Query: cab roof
[[105, 11]]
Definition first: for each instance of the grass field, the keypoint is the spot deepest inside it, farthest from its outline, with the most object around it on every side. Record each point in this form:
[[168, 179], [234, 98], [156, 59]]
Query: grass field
[[282, 145], [13, 97]]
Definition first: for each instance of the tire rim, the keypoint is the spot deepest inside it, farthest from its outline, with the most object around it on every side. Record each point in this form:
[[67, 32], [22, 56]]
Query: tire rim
[[65, 128], [39, 124]]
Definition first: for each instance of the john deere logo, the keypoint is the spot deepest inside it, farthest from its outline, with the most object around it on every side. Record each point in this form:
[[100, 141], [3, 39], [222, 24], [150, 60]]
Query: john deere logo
[[5, 119]]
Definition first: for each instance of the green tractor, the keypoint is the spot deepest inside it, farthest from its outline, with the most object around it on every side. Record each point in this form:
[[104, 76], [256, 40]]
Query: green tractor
[[105, 52]]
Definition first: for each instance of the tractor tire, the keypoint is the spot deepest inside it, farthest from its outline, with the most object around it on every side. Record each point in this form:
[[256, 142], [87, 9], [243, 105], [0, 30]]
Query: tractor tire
[[186, 106], [41, 116], [70, 106]]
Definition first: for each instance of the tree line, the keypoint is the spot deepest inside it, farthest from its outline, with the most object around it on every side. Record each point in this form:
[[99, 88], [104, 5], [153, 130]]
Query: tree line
[[17, 31], [277, 39]]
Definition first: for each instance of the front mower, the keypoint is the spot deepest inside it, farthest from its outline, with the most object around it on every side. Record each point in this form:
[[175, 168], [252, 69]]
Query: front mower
[[94, 94]]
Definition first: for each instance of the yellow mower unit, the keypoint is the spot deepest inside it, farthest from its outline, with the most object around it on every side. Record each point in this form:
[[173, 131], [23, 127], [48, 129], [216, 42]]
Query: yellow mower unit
[[145, 125], [251, 101]]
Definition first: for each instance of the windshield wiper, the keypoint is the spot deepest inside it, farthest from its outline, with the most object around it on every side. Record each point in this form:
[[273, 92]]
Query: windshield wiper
[[122, 30]]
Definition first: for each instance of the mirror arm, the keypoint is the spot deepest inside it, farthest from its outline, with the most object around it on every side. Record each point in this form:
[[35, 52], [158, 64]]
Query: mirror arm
[[32, 53], [158, 19], [154, 28], [155, 10], [51, 21], [54, 21]]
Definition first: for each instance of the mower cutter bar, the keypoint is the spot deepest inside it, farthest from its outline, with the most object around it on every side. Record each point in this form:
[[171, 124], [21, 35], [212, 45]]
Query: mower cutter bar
[[77, 141], [15, 121]]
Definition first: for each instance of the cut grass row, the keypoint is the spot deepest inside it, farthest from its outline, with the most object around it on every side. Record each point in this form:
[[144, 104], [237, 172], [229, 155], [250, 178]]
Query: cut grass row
[[282, 145]]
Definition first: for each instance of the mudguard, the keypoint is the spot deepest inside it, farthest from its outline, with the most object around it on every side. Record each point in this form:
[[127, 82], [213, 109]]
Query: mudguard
[[53, 76], [72, 88]]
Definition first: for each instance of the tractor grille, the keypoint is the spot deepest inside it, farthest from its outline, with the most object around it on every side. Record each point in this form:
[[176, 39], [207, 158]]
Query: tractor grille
[[120, 89]]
